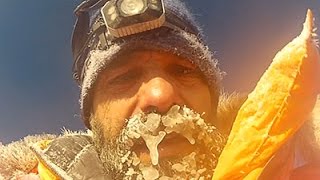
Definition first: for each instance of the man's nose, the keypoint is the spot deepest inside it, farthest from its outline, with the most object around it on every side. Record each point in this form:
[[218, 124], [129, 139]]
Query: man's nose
[[157, 95]]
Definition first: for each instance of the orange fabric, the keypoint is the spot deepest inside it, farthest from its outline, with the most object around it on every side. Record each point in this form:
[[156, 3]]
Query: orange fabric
[[34, 170], [281, 165], [308, 172], [272, 113]]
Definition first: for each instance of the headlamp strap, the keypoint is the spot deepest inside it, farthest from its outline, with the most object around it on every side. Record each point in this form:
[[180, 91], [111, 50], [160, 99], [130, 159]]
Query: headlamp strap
[[101, 35]]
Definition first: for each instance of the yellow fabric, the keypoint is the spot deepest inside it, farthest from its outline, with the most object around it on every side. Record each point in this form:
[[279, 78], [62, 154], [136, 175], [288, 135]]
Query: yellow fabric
[[44, 172], [254, 174], [43, 144]]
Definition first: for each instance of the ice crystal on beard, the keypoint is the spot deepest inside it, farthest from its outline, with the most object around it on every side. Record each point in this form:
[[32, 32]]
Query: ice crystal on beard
[[149, 173], [152, 143], [153, 122]]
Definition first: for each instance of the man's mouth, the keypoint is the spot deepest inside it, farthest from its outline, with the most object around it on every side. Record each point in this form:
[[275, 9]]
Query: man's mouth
[[171, 146]]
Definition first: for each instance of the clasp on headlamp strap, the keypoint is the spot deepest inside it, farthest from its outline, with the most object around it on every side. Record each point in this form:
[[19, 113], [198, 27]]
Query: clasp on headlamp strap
[[99, 29], [86, 5]]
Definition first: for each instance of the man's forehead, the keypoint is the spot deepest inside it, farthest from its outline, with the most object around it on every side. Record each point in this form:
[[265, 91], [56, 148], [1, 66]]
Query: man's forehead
[[129, 57], [134, 56]]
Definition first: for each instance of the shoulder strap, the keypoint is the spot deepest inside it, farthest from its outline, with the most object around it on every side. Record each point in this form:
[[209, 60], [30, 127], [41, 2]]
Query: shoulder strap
[[72, 157]]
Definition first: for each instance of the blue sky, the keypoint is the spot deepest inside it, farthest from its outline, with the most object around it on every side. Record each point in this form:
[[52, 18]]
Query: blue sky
[[37, 93]]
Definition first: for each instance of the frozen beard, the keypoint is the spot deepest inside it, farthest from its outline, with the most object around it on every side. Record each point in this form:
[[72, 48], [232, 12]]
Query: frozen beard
[[122, 161]]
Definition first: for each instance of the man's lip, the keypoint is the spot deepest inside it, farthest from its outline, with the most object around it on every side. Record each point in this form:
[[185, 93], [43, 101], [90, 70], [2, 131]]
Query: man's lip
[[173, 144]]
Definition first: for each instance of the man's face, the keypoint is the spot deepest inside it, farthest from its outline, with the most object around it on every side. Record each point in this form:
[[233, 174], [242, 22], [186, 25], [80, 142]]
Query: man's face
[[149, 82]]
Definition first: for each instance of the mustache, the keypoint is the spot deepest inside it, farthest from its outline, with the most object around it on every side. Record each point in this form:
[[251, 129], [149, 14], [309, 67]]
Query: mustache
[[179, 119]]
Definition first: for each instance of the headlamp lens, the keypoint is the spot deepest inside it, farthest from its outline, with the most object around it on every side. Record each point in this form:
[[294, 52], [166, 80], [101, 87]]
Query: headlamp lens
[[132, 7]]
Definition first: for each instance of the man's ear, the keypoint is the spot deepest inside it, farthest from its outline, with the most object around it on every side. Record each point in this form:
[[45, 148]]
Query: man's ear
[[227, 110]]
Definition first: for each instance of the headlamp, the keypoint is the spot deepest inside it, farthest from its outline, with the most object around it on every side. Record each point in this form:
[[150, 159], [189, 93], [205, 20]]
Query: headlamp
[[132, 7], [127, 17]]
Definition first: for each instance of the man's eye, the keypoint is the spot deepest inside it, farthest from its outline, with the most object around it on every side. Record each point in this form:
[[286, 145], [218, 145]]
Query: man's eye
[[125, 78], [183, 70], [186, 74]]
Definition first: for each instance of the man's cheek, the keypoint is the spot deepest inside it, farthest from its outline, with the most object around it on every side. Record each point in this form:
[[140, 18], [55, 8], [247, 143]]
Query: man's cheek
[[112, 127], [111, 119]]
